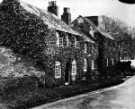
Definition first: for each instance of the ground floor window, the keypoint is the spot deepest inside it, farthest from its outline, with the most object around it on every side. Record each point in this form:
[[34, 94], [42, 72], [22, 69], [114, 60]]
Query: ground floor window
[[74, 70], [112, 61], [92, 64], [57, 70], [85, 65], [107, 62]]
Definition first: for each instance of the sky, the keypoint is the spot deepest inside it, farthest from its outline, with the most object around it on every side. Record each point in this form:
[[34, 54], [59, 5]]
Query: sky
[[112, 8]]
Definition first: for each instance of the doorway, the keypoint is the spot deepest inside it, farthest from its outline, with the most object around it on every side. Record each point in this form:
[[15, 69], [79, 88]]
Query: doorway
[[68, 72]]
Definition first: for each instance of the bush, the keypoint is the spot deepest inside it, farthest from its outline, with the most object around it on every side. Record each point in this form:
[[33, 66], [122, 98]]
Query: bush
[[11, 84], [49, 82]]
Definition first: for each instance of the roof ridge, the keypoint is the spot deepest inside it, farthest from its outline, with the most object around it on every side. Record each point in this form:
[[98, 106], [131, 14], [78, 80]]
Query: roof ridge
[[53, 20]]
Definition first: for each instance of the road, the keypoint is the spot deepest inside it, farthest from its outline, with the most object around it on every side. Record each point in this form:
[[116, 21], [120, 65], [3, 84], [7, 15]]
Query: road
[[117, 97]]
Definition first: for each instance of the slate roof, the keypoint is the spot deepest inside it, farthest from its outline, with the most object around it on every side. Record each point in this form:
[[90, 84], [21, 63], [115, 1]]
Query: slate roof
[[95, 28], [48, 18], [107, 35], [51, 20]]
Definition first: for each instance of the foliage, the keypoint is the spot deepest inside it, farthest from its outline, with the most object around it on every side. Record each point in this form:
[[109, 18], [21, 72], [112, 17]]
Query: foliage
[[24, 33], [13, 65], [122, 34], [118, 29]]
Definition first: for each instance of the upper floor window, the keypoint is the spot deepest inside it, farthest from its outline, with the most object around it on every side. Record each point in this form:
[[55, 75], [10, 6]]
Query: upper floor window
[[77, 43], [57, 70], [67, 40], [91, 31], [59, 40], [85, 65]]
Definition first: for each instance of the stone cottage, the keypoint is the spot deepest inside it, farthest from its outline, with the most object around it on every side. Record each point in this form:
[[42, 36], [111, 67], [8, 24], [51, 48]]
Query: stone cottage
[[53, 45], [107, 55]]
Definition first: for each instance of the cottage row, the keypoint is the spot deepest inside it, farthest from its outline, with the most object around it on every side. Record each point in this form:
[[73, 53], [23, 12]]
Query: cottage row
[[67, 52]]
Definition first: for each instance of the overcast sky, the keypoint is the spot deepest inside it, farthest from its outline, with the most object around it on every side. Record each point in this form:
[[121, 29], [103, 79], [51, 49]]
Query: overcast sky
[[93, 7]]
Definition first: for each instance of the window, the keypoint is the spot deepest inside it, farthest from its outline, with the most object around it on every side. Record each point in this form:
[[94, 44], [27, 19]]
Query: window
[[112, 61], [92, 49], [92, 64], [107, 62], [67, 41], [57, 70], [85, 65], [59, 40], [74, 70], [75, 42], [91, 31], [85, 48]]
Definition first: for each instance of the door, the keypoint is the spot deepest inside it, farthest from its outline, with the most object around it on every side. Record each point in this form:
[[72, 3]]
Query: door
[[67, 72]]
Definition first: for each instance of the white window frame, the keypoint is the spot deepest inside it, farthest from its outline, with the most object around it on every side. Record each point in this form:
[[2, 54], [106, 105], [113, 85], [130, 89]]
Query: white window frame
[[92, 64], [75, 42], [74, 70], [107, 62], [91, 31], [67, 41], [57, 70], [112, 61], [85, 65], [85, 48], [61, 41], [57, 39]]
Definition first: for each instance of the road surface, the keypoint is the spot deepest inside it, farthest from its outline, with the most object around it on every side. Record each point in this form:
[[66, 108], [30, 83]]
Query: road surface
[[117, 97]]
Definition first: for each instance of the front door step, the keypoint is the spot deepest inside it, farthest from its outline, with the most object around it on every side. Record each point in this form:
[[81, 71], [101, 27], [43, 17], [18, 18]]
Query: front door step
[[66, 83]]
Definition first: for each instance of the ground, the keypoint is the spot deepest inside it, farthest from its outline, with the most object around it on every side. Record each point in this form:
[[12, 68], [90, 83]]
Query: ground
[[117, 97]]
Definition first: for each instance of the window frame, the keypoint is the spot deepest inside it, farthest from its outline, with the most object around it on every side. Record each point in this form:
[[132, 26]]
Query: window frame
[[74, 70], [85, 65], [57, 69]]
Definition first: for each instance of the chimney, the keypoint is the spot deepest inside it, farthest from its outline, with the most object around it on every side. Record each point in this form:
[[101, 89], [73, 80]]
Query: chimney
[[53, 8], [66, 16]]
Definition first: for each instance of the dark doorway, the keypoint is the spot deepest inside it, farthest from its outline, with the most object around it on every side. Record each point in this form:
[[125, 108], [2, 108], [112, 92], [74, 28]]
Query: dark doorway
[[68, 71]]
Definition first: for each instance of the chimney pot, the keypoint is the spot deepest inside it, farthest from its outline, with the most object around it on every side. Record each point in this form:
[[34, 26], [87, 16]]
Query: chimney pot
[[53, 8], [66, 16]]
